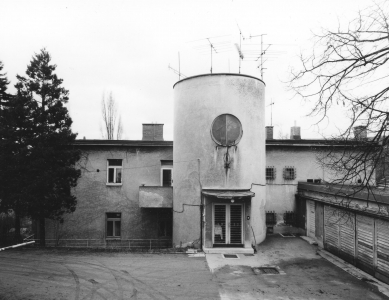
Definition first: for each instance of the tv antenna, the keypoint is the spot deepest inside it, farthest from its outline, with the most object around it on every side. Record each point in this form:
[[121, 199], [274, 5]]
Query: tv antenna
[[215, 46], [271, 111], [262, 53], [239, 47], [179, 69], [212, 48]]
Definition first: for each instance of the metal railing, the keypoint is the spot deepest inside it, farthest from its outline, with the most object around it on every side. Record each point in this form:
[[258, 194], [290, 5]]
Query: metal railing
[[130, 244]]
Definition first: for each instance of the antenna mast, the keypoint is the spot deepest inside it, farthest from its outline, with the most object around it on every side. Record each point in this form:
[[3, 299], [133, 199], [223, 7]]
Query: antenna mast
[[263, 52], [212, 47], [271, 111], [239, 48], [177, 72]]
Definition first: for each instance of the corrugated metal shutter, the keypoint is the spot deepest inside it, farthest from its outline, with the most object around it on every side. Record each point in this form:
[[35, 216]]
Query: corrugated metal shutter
[[382, 235], [331, 228], [311, 218], [365, 242], [347, 233], [220, 224], [236, 224]]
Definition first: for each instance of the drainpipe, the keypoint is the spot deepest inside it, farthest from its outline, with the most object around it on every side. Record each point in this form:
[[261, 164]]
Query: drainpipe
[[201, 206]]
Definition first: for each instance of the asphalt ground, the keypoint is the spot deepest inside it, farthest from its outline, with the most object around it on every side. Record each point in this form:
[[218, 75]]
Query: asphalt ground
[[61, 274], [303, 274]]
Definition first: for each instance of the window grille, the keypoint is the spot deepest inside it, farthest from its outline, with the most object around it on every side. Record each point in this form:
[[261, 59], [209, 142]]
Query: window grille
[[271, 218], [270, 173], [289, 218], [289, 173]]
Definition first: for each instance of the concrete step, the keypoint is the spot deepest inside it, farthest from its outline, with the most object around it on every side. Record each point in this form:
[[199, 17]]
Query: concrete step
[[228, 250]]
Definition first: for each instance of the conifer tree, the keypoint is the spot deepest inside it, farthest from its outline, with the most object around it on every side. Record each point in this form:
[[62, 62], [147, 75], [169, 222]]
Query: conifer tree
[[44, 157]]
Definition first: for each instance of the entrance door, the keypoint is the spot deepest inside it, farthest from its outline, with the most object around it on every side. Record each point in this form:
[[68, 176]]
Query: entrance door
[[227, 225]]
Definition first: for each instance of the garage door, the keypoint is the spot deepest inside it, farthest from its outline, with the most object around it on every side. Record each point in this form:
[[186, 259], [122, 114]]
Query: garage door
[[331, 229], [382, 237], [339, 232], [311, 218], [365, 243]]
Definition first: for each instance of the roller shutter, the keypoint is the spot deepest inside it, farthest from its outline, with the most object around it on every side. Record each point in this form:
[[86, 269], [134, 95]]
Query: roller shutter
[[331, 229], [347, 235], [365, 243], [382, 248], [311, 218], [339, 232]]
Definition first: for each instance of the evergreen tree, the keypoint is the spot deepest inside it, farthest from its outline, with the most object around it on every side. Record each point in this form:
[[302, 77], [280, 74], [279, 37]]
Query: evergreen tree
[[44, 157], [16, 128], [4, 96]]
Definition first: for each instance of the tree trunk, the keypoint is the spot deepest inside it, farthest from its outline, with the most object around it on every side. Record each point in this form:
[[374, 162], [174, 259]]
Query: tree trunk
[[17, 236], [42, 232]]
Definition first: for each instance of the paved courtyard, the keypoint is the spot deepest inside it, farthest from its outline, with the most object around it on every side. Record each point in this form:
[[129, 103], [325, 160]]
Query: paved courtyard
[[62, 274], [45, 274]]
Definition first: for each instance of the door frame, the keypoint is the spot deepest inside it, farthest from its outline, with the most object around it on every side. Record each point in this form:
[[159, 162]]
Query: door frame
[[228, 213]]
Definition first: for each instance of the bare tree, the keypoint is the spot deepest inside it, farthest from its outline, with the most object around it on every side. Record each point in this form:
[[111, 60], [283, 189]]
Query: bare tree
[[112, 122], [348, 68]]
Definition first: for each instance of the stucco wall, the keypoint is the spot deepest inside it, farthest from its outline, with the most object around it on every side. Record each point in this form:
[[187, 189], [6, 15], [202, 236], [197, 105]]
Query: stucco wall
[[280, 193], [141, 165], [197, 102]]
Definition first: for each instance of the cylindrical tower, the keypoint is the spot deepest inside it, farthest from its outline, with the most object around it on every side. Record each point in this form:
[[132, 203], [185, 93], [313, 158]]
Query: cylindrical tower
[[219, 161]]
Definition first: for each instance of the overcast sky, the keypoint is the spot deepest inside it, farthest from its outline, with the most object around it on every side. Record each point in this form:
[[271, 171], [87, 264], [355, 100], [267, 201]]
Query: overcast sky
[[125, 47]]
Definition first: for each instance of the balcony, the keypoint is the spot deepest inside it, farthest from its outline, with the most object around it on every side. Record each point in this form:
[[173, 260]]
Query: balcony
[[156, 196]]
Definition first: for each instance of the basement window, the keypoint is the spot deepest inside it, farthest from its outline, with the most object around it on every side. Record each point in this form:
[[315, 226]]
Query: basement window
[[270, 173], [114, 173], [114, 221], [289, 173]]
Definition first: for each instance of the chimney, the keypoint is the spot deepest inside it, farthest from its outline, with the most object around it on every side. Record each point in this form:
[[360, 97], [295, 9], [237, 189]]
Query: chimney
[[269, 132], [295, 132], [360, 132], [152, 132]]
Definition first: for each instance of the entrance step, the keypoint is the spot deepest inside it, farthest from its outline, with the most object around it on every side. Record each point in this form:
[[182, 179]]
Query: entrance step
[[229, 250]]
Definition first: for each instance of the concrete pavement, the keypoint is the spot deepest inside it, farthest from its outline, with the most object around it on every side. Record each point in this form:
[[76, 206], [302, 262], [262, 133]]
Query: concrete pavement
[[304, 274]]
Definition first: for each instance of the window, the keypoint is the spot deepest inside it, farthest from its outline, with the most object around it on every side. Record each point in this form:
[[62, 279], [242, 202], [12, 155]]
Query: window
[[167, 177], [289, 173], [113, 225], [226, 130], [114, 174], [270, 173]]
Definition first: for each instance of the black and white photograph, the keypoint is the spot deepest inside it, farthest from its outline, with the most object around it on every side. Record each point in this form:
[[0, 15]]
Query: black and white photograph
[[222, 149]]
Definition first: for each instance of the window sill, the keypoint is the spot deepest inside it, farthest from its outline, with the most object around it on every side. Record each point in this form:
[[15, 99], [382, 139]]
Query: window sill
[[113, 184], [113, 238]]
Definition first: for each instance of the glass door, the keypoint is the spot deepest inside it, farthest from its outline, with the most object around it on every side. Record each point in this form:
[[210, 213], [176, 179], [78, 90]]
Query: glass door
[[227, 225]]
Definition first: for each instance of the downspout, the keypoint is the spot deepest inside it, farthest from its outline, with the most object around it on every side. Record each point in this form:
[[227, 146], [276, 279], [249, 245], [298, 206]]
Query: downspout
[[201, 206]]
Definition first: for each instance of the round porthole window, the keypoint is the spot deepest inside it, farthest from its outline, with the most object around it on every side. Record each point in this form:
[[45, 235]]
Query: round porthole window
[[226, 130]]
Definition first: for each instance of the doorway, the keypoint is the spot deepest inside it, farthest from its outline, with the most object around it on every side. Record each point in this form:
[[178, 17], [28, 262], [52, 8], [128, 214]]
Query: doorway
[[227, 225]]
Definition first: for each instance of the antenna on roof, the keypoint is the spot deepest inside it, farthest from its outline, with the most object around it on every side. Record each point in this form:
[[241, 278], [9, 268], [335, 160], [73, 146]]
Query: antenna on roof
[[262, 53], [271, 111], [239, 48], [212, 48], [215, 46], [177, 72]]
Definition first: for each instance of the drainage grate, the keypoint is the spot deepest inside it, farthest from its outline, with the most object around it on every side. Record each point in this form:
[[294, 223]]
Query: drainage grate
[[287, 234], [266, 270], [249, 255], [230, 256]]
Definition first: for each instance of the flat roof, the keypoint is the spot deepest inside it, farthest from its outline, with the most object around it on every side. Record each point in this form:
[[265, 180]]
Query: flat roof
[[273, 142], [315, 142], [219, 74], [123, 143]]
